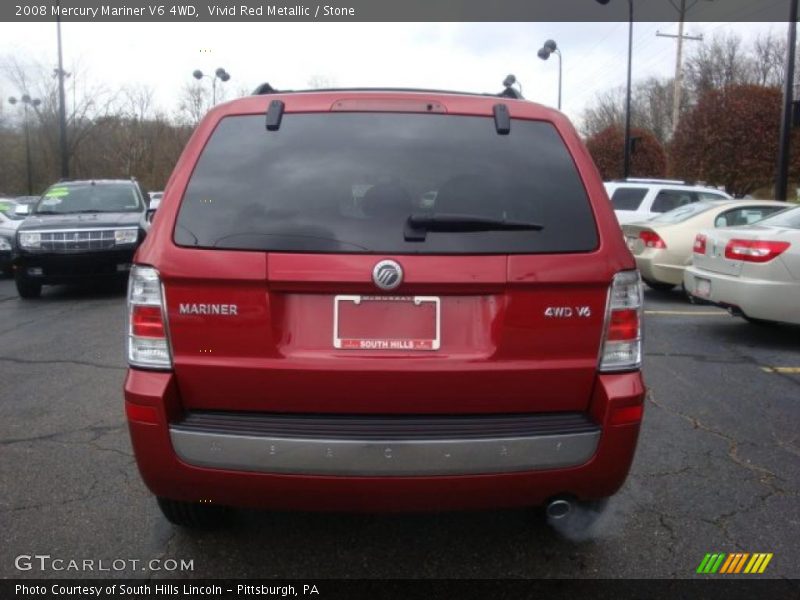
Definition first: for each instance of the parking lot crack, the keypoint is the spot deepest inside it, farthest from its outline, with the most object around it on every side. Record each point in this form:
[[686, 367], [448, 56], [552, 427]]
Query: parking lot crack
[[81, 363], [97, 430], [765, 476]]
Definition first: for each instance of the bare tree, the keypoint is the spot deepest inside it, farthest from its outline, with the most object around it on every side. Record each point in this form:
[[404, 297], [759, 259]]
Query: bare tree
[[194, 102], [717, 64]]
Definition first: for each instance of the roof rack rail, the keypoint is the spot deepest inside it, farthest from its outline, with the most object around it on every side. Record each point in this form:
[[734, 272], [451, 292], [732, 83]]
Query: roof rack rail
[[266, 88], [652, 180]]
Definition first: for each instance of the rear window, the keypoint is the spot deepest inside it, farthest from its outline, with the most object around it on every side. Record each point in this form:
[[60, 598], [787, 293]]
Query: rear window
[[679, 215], [347, 182], [628, 198], [667, 200], [789, 218]]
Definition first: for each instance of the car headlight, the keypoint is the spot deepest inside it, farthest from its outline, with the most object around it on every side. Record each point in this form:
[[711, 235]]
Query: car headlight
[[4, 244], [30, 240], [125, 236]]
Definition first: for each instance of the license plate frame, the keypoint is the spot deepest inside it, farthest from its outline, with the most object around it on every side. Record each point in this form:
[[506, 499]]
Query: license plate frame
[[387, 344], [702, 287]]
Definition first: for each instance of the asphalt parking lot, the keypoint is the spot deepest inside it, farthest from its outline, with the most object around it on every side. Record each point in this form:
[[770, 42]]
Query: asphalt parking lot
[[717, 467]]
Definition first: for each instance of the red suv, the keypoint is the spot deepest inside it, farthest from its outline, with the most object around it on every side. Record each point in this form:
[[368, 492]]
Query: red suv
[[383, 300]]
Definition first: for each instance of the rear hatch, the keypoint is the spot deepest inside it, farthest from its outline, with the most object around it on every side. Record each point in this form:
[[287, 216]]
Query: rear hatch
[[274, 293]]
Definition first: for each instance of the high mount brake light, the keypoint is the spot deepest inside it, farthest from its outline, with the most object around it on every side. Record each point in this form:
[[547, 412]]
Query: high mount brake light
[[148, 344], [756, 251], [622, 337]]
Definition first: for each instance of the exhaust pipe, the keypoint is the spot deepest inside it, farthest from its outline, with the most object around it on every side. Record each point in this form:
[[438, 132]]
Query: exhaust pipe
[[558, 508]]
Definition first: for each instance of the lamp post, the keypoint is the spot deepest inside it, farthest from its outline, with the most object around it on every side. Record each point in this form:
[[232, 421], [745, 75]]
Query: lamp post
[[220, 74], [782, 178], [627, 152], [544, 53], [26, 101], [62, 109]]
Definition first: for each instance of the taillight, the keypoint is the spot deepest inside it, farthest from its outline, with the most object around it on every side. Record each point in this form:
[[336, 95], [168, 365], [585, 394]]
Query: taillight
[[622, 337], [699, 244], [757, 251], [148, 344], [651, 239]]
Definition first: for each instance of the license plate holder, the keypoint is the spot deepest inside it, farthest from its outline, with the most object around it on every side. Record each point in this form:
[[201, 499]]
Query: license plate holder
[[702, 287], [394, 323]]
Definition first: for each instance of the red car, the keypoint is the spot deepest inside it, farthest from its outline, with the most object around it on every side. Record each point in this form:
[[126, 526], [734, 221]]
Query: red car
[[383, 300]]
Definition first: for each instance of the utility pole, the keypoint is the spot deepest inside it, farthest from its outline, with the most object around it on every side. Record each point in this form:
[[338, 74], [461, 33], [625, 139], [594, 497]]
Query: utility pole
[[678, 82]]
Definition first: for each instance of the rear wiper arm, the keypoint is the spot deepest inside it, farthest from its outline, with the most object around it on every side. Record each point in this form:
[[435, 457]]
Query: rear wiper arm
[[418, 225]]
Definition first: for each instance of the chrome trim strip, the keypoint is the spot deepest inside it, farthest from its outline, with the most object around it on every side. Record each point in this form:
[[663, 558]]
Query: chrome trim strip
[[303, 456], [79, 229]]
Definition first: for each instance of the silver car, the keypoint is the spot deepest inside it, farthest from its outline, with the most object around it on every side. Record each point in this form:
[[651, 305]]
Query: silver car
[[752, 271]]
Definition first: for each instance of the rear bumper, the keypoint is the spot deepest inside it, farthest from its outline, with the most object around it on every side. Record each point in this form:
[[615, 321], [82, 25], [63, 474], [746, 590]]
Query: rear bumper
[[488, 473], [77, 267], [756, 298], [653, 270]]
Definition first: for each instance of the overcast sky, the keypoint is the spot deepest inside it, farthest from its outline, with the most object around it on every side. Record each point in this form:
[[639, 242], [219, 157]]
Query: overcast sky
[[461, 56]]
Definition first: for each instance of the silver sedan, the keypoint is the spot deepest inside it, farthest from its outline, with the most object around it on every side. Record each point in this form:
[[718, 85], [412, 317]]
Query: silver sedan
[[752, 271]]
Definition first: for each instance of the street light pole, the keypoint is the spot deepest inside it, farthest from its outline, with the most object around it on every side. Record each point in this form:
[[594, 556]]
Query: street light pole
[[626, 163], [62, 110], [782, 179], [626, 168], [27, 100], [220, 74], [550, 47]]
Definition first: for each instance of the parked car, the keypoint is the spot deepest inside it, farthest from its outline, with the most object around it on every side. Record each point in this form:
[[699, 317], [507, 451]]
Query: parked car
[[6, 254], [80, 231], [155, 200], [288, 351], [753, 271], [662, 246], [641, 199], [10, 219]]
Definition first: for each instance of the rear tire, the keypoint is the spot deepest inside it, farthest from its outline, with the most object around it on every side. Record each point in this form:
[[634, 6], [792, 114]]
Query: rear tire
[[26, 288], [193, 515], [759, 322], [659, 286]]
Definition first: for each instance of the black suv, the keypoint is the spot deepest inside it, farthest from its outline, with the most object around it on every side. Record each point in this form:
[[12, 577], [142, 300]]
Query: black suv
[[80, 231]]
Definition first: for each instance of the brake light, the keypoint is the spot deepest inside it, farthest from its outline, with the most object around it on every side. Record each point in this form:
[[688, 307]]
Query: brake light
[[148, 343], [699, 244], [757, 251], [651, 239], [622, 338]]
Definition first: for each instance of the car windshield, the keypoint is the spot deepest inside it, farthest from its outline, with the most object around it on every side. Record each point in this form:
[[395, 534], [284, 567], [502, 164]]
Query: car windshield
[[89, 198], [351, 182], [7, 207], [789, 218], [684, 213]]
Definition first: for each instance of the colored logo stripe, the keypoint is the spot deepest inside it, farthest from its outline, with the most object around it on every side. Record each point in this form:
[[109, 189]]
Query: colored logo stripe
[[734, 563]]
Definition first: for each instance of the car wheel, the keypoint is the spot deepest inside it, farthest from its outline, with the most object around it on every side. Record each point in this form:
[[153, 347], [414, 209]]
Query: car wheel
[[193, 515], [658, 286], [28, 289]]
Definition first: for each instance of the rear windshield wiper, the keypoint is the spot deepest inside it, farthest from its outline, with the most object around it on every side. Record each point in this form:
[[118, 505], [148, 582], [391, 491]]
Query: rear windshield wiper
[[418, 225]]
